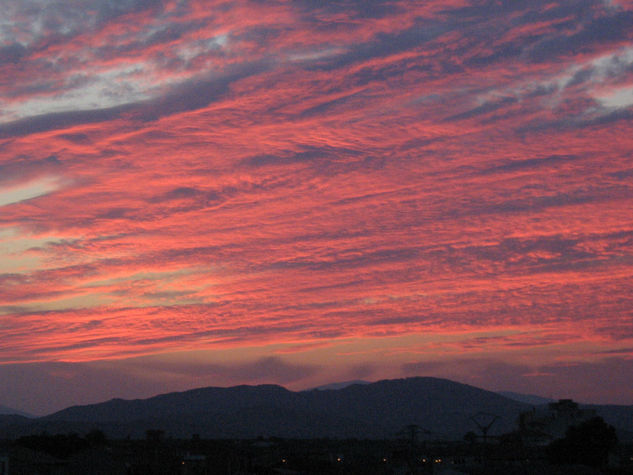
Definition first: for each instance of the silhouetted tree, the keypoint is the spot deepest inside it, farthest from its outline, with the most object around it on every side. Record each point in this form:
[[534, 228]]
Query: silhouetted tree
[[58, 445], [96, 437], [470, 437], [588, 443]]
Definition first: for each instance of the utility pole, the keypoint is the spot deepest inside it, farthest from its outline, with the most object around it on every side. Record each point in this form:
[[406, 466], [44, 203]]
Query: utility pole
[[484, 421], [412, 431]]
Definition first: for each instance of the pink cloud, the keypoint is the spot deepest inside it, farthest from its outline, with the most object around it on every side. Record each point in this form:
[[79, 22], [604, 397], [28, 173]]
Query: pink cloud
[[293, 174]]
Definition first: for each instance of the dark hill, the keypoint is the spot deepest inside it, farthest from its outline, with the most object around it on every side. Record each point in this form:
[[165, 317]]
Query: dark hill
[[340, 385], [531, 399], [195, 401], [443, 408], [375, 410], [4, 410], [12, 425], [440, 406]]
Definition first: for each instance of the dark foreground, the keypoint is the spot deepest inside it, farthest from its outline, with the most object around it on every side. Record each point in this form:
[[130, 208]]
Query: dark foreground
[[93, 454]]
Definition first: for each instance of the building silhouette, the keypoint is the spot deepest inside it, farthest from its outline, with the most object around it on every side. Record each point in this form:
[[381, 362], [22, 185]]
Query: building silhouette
[[542, 425]]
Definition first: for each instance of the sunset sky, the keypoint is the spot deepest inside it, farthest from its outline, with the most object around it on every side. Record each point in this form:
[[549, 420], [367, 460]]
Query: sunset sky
[[211, 193]]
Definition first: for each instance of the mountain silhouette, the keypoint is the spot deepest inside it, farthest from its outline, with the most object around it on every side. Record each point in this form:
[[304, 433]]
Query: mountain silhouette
[[443, 409], [526, 398], [341, 385], [4, 410]]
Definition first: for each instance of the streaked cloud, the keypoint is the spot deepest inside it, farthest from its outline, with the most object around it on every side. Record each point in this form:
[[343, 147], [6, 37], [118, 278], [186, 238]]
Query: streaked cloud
[[185, 175], [30, 189]]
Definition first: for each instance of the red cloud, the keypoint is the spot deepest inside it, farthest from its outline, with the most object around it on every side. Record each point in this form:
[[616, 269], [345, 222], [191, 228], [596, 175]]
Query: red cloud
[[263, 174]]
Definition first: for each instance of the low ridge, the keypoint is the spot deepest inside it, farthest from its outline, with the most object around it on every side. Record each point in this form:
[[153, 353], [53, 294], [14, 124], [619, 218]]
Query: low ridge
[[443, 409]]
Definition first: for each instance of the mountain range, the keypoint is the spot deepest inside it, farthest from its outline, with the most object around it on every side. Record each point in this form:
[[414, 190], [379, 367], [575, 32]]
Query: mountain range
[[442, 409], [526, 398], [4, 410]]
